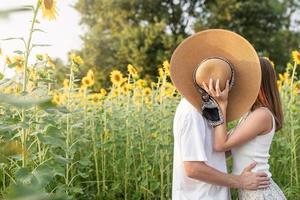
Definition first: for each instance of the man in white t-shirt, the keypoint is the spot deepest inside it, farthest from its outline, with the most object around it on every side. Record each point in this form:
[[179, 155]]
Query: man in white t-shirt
[[199, 173]]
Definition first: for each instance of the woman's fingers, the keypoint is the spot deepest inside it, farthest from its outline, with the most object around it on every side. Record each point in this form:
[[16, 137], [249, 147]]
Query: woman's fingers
[[215, 92], [205, 87], [211, 87], [218, 91], [227, 85]]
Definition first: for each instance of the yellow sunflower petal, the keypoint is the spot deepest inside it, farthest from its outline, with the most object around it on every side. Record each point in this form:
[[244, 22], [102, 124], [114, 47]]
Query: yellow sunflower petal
[[296, 57], [49, 9]]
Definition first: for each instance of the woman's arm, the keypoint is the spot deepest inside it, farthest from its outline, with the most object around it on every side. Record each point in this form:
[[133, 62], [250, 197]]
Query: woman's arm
[[256, 123]]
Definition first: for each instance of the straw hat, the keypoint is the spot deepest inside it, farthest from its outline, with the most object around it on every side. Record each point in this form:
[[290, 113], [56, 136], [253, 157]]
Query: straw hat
[[217, 54]]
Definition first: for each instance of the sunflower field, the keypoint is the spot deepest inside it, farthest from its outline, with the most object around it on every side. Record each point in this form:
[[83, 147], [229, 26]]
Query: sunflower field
[[76, 142]]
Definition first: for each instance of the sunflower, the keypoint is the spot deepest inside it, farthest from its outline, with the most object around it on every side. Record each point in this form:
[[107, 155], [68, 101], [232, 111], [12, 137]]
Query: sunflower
[[147, 91], [8, 60], [87, 81], [132, 71], [127, 87], [57, 99], [19, 61], [91, 75], [161, 72], [66, 83], [153, 84], [141, 83], [49, 9], [169, 89], [284, 76], [166, 66], [50, 62], [9, 90], [116, 77], [279, 85], [31, 86], [148, 101], [76, 59], [296, 57], [115, 93], [32, 74], [18, 88], [82, 90], [103, 91], [124, 90], [96, 97], [272, 63]]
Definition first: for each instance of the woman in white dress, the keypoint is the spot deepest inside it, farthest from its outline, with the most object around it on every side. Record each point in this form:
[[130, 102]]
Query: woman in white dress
[[251, 139]]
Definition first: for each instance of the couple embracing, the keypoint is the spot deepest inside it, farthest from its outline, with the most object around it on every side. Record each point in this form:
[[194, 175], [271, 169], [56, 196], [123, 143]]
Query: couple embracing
[[221, 79]]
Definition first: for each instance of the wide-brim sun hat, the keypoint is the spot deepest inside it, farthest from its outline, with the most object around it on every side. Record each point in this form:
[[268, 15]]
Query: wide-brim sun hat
[[217, 54]]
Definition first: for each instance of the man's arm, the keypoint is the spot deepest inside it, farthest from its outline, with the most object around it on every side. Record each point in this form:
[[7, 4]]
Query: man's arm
[[247, 180]]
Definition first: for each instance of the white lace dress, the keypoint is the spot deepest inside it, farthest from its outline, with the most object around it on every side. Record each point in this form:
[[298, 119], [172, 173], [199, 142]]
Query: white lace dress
[[273, 192], [256, 150]]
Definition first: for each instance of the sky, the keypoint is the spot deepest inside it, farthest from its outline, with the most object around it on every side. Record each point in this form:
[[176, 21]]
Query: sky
[[63, 34]]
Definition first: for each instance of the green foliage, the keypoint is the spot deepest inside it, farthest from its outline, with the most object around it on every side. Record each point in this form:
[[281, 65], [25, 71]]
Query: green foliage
[[144, 33], [266, 24]]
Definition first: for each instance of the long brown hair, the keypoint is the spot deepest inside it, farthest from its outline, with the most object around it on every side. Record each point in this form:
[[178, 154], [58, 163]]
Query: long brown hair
[[269, 95]]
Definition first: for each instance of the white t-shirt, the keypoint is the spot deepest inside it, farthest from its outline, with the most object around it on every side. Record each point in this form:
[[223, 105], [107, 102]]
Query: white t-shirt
[[193, 141]]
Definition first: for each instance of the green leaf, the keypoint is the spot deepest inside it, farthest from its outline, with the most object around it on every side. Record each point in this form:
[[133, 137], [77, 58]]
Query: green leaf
[[13, 38], [5, 128], [38, 30], [44, 174], [29, 7], [41, 45], [61, 160], [12, 65], [23, 101], [51, 140], [19, 52], [25, 177]]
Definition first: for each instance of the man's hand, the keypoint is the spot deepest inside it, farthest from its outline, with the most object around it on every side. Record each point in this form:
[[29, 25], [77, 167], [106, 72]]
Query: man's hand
[[253, 181]]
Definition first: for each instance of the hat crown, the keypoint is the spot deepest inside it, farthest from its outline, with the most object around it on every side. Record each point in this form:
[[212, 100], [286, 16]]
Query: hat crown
[[214, 68]]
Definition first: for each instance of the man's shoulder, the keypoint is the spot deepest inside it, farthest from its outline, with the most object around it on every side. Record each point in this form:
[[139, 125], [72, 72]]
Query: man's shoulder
[[186, 110]]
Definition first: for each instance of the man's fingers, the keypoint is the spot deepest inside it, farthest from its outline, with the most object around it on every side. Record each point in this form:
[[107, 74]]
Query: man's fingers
[[249, 167], [263, 186], [264, 183], [263, 179], [262, 174]]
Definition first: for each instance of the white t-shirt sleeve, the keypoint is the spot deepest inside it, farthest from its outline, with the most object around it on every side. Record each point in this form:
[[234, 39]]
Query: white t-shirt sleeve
[[192, 138]]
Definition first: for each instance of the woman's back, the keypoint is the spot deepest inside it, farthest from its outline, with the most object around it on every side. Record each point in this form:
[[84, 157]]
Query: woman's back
[[255, 150]]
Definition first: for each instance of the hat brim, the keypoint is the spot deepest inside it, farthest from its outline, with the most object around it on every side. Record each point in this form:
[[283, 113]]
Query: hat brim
[[223, 43]]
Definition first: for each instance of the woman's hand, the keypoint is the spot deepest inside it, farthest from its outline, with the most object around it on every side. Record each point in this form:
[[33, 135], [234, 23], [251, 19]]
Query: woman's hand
[[220, 96]]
